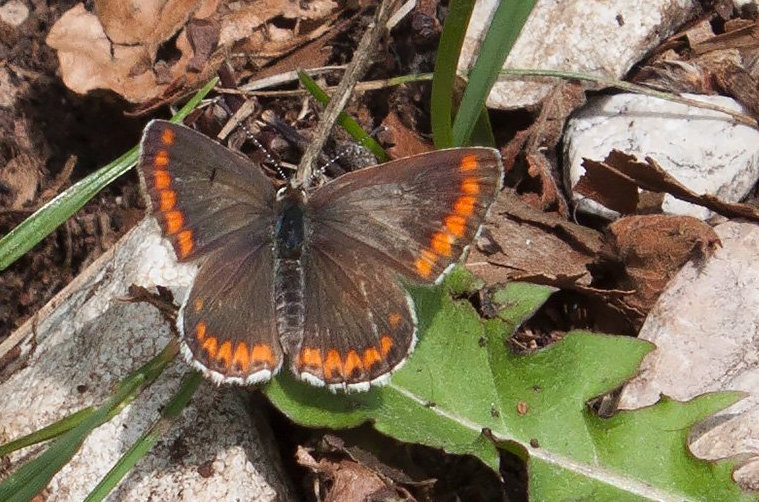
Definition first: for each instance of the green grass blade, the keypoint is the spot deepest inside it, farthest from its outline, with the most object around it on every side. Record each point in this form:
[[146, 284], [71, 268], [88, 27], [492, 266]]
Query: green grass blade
[[31, 478], [150, 370], [444, 79], [146, 442], [508, 19], [46, 219], [51, 431], [346, 121], [482, 134]]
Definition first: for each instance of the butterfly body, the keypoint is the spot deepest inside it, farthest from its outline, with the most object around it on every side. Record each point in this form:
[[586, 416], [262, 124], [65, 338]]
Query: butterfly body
[[314, 278]]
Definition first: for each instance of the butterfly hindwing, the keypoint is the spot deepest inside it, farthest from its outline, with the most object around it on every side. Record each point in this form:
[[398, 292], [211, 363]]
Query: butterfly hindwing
[[227, 322], [359, 322]]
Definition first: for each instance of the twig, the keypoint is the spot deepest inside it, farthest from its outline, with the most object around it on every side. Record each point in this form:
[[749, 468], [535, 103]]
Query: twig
[[629, 86], [355, 71]]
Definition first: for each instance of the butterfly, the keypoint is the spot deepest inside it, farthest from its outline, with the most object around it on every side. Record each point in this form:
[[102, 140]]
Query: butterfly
[[311, 277]]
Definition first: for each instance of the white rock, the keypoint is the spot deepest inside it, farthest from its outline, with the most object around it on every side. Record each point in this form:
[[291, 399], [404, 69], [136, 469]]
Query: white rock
[[706, 330], [598, 37], [86, 340], [703, 149], [14, 13]]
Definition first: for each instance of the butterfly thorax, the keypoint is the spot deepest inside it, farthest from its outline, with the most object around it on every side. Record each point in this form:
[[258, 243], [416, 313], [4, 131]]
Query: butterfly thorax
[[289, 235]]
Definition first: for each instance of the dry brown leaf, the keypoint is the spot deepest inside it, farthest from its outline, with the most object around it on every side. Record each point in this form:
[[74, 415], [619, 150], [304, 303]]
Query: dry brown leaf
[[90, 61], [543, 136], [653, 248], [405, 141], [117, 47], [650, 176], [350, 480], [520, 242], [144, 22], [607, 187]]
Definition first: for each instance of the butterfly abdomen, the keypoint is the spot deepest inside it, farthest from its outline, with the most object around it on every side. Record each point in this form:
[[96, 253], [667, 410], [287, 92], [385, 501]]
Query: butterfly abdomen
[[288, 273], [288, 295]]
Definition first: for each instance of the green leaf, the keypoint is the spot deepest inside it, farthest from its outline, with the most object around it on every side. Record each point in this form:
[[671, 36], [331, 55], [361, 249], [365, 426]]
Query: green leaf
[[46, 219], [464, 391]]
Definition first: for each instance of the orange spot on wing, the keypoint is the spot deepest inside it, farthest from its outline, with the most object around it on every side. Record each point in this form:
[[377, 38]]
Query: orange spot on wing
[[161, 179], [333, 365], [464, 205], [184, 243], [371, 357], [394, 319], [198, 304], [470, 186], [241, 357], [441, 243], [311, 357], [161, 159], [211, 346], [262, 353], [200, 331], [468, 163], [425, 262], [456, 225], [225, 353], [168, 200], [386, 343], [167, 137], [353, 363], [174, 221]]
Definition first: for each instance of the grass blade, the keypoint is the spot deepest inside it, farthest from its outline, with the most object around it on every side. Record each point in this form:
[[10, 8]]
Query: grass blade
[[47, 218], [444, 79], [346, 121], [508, 20], [31, 478], [146, 442]]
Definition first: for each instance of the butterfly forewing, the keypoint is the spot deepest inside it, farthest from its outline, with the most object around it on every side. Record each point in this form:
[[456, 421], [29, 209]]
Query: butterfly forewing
[[416, 215], [200, 191]]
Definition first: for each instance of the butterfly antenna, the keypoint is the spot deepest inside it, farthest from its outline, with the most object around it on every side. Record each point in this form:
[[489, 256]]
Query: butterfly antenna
[[361, 143], [269, 158]]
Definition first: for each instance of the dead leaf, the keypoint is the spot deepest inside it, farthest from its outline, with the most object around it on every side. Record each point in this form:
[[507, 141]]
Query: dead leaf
[[203, 37], [523, 242], [146, 23], [543, 136], [117, 46], [649, 175], [349, 481], [653, 248], [404, 140], [607, 187]]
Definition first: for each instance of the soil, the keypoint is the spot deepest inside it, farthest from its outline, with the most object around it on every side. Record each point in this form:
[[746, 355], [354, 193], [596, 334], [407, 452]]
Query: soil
[[47, 126]]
